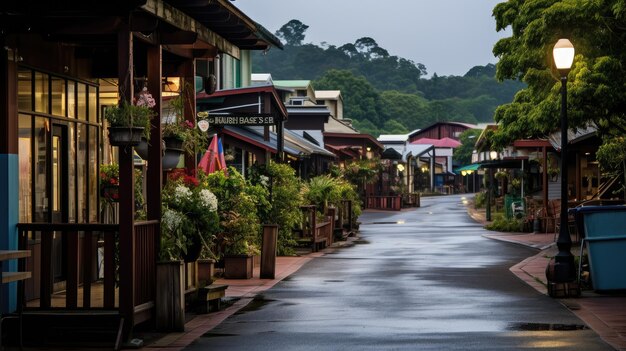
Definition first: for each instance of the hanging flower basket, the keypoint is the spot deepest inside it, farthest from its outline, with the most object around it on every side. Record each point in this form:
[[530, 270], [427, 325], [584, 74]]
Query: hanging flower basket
[[142, 149], [173, 150], [125, 136]]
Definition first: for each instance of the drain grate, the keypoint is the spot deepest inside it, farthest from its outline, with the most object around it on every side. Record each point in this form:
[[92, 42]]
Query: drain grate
[[545, 326]]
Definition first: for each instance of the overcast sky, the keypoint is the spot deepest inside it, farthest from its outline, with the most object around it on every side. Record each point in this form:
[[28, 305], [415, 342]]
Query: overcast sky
[[448, 36]]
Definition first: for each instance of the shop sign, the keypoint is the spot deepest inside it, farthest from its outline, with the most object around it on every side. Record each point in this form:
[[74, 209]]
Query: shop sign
[[240, 120]]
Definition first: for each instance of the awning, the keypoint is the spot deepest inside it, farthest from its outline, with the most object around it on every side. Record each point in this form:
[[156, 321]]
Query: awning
[[472, 167], [506, 163]]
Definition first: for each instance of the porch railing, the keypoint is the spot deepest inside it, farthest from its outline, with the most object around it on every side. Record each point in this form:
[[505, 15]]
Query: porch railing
[[75, 266], [391, 202]]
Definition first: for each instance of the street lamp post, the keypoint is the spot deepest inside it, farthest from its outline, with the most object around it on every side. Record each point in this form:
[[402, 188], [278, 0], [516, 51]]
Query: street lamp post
[[564, 270]]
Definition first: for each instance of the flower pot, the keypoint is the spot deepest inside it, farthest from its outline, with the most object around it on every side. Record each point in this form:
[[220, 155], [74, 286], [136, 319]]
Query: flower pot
[[171, 158], [173, 143], [173, 150], [170, 296], [125, 136], [238, 267], [142, 149]]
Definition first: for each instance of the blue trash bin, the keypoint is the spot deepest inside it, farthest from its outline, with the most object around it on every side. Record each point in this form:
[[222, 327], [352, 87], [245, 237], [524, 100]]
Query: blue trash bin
[[604, 231]]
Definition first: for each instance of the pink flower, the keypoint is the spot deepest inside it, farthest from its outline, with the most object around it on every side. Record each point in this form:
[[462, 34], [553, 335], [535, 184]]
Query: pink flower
[[145, 99]]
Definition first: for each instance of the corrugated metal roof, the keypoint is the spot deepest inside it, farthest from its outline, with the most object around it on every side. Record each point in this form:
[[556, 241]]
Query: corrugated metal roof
[[292, 83], [327, 94]]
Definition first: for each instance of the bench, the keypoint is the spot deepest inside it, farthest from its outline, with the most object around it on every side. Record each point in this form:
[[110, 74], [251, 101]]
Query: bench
[[210, 297], [10, 277]]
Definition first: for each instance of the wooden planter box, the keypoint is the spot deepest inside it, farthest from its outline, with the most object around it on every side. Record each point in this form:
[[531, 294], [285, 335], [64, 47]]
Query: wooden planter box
[[206, 271], [238, 267], [170, 296]]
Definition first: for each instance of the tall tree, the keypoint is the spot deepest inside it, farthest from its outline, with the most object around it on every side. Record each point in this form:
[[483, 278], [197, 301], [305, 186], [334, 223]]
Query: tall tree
[[361, 100], [292, 32], [463, 153], [597, 81]]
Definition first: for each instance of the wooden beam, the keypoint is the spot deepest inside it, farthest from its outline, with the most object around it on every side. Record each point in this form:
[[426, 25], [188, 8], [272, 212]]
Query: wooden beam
[[180, 20], [177, 37]]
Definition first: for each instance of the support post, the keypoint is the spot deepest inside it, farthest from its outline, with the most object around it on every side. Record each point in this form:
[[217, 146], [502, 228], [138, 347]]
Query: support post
[[127, 182], [268, 252]]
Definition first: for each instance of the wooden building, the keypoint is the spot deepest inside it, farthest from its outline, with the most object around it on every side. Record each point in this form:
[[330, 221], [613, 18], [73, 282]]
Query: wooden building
[[58, 57]]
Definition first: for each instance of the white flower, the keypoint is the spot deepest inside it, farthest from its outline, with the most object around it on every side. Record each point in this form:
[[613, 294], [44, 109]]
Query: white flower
[[181, 193], [171, 220], [264, 180], [208, 199]]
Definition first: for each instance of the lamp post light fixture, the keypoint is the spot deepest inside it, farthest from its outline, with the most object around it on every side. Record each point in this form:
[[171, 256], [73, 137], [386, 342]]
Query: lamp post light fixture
[[564, 268], [493, 155]]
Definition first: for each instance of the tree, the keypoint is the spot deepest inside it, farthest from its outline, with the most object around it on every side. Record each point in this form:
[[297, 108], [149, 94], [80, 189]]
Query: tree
[[394, 127], [463, 153], [292, 33], [411, 110], [596, 83], [361, 100]]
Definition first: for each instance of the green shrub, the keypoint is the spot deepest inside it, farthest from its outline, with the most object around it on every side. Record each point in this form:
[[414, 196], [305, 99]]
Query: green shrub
[[502, 224], [286, 199]]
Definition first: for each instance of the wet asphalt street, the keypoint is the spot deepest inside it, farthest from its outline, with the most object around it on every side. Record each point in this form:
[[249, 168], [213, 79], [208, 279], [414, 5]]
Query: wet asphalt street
[[423, 279]]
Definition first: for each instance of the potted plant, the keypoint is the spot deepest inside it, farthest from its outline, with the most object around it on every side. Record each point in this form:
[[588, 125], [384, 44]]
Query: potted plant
[[128, 123], [179, 134], [190, 218], [110, 182], [109, 188], [553, 172], [240, 228], [501, 175]]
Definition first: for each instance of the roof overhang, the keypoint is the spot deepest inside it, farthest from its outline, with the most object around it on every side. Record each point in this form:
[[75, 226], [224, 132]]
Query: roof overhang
[[256, 99], [358, 138]]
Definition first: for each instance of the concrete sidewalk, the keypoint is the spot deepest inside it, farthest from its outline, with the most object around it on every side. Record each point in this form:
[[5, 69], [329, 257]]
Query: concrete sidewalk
[[605, 314], [244, 291]]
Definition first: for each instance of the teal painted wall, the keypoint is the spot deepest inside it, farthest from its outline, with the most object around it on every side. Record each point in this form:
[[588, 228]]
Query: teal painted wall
[[9, 217]]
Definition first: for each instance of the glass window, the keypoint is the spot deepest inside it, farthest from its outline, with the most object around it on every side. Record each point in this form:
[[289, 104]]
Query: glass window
[[93, 104], [93, 174], [71, 99], [41, 92], [81, 164], [25, 90], [71, 174], [82, 101], [42, 128], [58, 96], [25, 169]]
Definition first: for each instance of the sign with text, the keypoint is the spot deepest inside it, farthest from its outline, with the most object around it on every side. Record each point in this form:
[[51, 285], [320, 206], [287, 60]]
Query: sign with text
[[241, 120]]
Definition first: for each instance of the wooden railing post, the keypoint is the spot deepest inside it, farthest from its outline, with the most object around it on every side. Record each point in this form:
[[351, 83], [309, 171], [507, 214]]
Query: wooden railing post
[[268, 251], [332, 211]]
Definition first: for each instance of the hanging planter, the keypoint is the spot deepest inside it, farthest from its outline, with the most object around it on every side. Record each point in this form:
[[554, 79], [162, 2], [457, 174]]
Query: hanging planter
[[173, 150], [125, 136], [142, 149]]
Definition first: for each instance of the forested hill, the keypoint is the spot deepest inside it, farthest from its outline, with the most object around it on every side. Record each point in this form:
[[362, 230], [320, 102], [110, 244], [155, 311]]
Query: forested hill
[[385, 94]]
